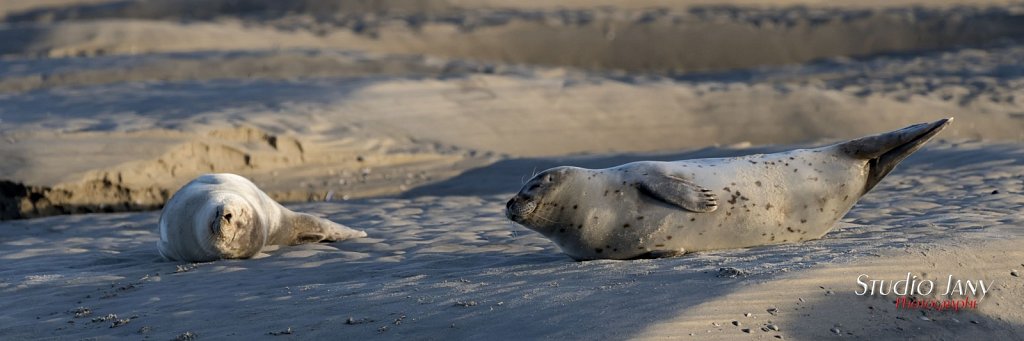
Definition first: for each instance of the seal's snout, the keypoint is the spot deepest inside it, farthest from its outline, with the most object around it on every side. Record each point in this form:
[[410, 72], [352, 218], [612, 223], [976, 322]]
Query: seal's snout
[[538, 189], [519, 207]]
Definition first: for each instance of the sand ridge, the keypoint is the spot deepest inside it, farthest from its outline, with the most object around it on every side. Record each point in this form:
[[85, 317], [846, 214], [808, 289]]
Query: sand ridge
[[286, 168]]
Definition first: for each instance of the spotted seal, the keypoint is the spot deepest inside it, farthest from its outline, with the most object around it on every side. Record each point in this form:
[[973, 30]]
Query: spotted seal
[[655, 209]]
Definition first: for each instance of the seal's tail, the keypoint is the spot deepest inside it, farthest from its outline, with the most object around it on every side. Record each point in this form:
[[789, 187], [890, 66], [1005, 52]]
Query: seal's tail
[[885, 151]]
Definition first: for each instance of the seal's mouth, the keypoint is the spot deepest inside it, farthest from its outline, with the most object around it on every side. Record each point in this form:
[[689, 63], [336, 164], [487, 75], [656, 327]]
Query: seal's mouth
[[233, 231], [519, 207]]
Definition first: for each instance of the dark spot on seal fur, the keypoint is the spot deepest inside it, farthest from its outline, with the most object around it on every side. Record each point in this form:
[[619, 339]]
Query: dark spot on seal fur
[[693, 218], [668, 237], [768, 206], [790, 229], [575, 207], [598, 250], [625, 226], [659, 245], [561, 230], [640, 218], [758, 183], [803, 221], [580, 226]]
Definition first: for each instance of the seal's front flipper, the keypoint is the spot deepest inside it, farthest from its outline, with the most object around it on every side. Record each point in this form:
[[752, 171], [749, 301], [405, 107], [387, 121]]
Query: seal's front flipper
[[304, 228], [678, 191]]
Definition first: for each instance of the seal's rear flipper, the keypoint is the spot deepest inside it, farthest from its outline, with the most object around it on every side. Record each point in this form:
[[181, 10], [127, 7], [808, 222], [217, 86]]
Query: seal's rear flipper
[[306, 228], [885, 151]]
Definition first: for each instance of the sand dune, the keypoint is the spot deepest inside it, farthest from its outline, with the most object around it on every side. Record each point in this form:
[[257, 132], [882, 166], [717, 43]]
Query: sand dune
[[153, 164]]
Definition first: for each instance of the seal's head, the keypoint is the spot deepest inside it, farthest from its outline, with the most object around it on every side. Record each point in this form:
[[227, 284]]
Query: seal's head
[[537, 206], [232, 225]]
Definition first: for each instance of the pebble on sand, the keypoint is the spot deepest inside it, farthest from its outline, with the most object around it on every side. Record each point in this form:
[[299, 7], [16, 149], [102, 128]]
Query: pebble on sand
[[730, 272], [187, 336], [465, 303]]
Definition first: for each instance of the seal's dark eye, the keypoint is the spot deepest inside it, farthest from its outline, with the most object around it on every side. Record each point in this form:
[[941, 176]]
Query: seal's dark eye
[[548, 178], [227, 217]]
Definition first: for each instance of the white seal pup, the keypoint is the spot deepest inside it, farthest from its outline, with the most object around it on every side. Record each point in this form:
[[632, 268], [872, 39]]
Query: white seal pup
[[226, 216], [653, 209]]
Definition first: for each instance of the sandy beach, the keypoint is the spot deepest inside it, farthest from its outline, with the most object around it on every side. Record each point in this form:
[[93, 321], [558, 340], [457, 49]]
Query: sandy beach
[[416, 121]]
